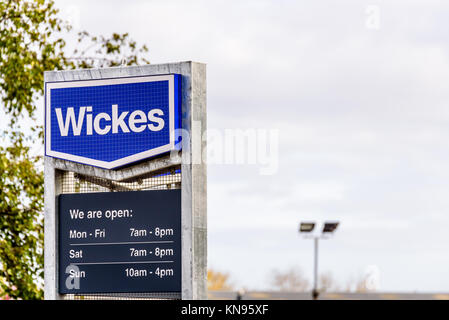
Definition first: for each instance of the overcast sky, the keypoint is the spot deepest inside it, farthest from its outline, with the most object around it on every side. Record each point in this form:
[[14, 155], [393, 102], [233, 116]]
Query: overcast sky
[[359, 92]]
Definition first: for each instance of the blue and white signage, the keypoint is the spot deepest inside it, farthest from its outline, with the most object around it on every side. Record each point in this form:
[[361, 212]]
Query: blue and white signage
[[110, 123]]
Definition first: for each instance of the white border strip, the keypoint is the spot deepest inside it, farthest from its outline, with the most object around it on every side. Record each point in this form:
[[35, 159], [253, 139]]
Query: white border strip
[[101, 82]]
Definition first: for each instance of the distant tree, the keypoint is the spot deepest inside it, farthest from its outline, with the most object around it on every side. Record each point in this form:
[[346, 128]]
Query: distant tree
[[32, 40], [218, 281], [292, 280], [327, 283], [361, 284], [364, 284]]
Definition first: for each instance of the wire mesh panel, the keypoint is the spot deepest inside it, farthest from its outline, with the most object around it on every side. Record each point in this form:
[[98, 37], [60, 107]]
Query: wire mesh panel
[[71, 182]]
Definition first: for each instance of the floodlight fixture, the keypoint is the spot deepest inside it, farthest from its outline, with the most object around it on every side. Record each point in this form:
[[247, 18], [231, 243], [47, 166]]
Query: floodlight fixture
[[330, 227], [306, 226]]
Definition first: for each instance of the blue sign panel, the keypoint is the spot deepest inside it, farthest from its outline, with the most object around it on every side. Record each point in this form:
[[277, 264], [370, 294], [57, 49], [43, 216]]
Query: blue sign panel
[[116, 242], [110, 123]]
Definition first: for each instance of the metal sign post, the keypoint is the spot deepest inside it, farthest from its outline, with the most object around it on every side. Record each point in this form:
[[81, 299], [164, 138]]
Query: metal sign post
[[113, 137]]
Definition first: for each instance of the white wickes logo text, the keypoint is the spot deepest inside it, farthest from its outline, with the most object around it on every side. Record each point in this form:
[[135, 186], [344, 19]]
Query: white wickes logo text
[[138, 121]]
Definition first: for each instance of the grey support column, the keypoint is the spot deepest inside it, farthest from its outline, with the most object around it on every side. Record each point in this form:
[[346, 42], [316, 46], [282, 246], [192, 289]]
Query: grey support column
[[51, 189], [194, 188]]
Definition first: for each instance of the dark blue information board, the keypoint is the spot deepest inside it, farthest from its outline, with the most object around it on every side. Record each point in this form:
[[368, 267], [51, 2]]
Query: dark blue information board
[[120, 242]]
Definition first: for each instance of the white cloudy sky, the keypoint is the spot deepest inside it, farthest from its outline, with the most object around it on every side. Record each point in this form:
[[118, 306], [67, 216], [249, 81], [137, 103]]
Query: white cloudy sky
[[363, 120]]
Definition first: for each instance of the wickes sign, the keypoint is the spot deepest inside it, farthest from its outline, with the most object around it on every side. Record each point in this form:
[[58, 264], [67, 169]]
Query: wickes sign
[[109, 123]]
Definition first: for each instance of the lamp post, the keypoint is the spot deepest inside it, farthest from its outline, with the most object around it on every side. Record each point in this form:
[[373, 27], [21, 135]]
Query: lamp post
[[306, 229]]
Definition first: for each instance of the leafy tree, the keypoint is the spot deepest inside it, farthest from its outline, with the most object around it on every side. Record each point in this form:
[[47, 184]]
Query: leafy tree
[[32, 40], [217, 280], [21, 221]]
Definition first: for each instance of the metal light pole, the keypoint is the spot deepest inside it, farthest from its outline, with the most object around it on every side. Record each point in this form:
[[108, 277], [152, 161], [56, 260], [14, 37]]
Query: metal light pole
[[306, 228], [315, 270]]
